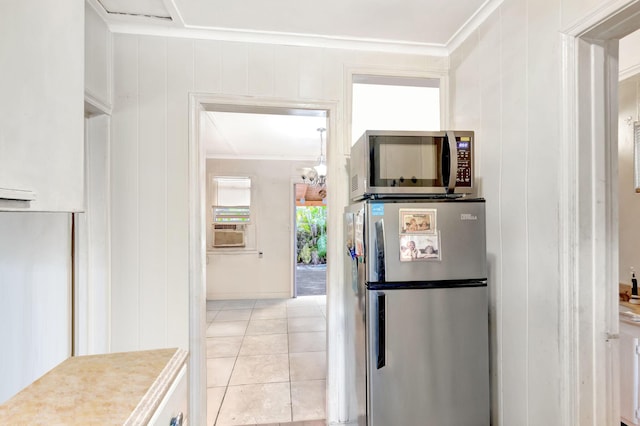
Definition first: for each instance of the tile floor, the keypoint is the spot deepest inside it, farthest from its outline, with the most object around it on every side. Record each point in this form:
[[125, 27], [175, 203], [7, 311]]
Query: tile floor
[[266, 361]]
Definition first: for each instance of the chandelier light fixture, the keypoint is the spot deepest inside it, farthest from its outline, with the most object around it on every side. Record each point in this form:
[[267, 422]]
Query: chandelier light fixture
[[317, 176]]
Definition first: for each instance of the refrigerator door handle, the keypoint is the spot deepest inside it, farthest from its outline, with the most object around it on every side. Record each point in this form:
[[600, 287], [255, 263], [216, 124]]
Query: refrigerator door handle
[[380, 331], [380, 263]]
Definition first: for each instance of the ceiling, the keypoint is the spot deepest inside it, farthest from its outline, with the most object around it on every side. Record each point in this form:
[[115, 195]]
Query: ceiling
[[419, 26], [399, 20], [262, 136]]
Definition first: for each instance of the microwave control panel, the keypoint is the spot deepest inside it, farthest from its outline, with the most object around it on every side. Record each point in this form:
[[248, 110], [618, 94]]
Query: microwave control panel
[[463, 177]]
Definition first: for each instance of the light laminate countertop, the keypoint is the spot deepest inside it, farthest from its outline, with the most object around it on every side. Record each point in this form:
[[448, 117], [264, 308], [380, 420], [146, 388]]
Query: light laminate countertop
[[631, 306], [112, 389], [625, 289]]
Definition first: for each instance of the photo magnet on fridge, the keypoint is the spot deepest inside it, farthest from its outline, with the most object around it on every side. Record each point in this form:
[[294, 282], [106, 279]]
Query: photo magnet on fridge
[[415, 247], [421, 221]]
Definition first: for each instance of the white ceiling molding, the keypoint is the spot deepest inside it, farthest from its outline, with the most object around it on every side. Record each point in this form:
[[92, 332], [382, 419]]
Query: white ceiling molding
[[174, 12], [472, 24], [290, 39], [99, 10], [629, 72]]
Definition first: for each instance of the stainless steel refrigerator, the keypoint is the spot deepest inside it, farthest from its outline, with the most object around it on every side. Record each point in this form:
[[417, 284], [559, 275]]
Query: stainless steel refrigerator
[[417, 312]]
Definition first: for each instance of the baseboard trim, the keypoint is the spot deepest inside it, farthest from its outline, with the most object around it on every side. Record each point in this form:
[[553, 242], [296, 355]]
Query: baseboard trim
[[236, 296]]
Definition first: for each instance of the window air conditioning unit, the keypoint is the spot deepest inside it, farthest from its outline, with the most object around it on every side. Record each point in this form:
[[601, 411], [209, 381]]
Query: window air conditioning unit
[[228, 236]]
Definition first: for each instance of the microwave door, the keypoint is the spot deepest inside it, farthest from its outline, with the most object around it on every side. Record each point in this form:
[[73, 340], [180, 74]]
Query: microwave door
[[407, 164]]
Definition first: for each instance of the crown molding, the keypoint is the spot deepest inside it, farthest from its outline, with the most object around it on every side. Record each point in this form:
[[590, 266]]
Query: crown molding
[[290, 39], [629, 72], [472, 24], [97, 7], [590, 25], [174, 12]]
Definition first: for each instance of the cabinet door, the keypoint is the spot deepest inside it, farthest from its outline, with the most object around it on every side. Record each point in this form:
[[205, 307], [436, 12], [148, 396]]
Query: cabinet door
[[629, 374], [42, 105]]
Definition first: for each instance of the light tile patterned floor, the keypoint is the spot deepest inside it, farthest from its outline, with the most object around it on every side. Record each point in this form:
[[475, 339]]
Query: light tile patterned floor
[[266, 361]]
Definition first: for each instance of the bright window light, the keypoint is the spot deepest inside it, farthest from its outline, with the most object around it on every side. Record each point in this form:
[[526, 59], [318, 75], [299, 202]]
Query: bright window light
[[394, 103], [231, 200]]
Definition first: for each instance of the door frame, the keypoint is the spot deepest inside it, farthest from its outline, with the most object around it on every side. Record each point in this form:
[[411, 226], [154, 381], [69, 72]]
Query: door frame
[[588, 214], [336, 201], [91, 326], [294, 242]]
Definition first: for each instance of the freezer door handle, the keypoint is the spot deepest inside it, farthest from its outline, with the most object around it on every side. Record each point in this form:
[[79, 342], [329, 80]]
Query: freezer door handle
[[380, 261], [381, 329]]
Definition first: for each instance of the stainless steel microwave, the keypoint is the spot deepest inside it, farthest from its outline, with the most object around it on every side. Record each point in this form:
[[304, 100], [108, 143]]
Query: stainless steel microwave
[[412, 163]]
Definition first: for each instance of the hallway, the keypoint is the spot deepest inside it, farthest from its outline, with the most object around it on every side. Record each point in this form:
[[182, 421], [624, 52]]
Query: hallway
[[266, 361]]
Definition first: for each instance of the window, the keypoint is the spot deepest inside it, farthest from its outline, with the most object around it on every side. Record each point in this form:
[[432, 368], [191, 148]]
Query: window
[[231, 200], [394, 103], [231, 212]]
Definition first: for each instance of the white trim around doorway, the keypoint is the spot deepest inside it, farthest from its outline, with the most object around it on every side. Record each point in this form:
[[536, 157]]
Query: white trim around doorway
[[336, 201], [588, 252]]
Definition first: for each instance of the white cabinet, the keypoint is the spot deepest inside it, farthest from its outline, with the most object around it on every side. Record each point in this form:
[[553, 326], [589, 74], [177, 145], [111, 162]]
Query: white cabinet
[[42, 106], [629, 372], [174, 407]]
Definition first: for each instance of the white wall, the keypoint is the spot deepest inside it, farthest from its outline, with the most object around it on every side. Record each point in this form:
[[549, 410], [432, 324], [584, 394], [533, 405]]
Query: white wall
[[35, 296], [629, 200], [505, 82], [245, 275], [153, 77], [629, 55]]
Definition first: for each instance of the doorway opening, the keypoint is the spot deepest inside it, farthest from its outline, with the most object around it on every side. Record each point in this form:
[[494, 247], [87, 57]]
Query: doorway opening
[[244, 303], [628, 227], [590, 216], [310, 240]]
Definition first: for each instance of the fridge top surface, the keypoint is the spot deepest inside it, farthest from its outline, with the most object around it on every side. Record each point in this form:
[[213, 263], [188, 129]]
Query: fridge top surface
[[425, 199]]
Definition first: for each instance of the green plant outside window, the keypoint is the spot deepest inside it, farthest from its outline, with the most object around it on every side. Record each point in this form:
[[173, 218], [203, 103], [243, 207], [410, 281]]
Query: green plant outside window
[[311, 236]]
